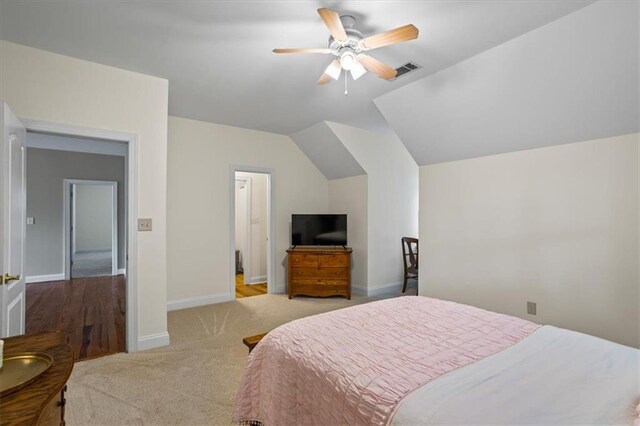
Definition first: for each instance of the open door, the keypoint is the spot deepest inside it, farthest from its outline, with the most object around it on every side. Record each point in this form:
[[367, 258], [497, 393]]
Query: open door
[[12, 223]]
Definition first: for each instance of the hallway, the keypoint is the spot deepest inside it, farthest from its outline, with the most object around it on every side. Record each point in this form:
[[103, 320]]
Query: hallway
[[91, 311]]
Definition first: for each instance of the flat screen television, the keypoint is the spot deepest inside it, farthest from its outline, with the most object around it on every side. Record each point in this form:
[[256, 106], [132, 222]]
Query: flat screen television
[[319, 230]]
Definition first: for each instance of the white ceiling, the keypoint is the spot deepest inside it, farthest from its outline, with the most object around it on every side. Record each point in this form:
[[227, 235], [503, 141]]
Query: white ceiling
[[218, 60]]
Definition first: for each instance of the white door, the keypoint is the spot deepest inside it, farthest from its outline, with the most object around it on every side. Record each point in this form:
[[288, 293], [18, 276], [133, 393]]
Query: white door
[[242, 226], [12, 222]]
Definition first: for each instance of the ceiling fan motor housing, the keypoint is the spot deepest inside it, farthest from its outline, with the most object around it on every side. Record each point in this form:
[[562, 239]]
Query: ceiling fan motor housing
[[354, 38]]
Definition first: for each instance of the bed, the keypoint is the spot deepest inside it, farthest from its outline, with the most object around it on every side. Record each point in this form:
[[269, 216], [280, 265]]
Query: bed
[[419, 360]]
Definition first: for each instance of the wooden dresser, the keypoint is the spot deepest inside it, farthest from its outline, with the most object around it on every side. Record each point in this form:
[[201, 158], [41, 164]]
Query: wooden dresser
[[42, 402], [319, 271]]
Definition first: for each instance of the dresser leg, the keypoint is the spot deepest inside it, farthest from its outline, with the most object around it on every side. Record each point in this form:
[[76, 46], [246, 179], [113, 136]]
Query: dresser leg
[[62, 404]]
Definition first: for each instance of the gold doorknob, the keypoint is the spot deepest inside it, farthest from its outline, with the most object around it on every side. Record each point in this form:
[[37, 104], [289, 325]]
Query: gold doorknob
[[6, 278]]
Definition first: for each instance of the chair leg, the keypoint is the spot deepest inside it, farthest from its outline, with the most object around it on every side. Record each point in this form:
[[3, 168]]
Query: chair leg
[[404, 287]]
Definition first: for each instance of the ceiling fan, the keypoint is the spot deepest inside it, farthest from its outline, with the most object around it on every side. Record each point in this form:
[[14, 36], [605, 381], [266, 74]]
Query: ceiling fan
[[348, 45]]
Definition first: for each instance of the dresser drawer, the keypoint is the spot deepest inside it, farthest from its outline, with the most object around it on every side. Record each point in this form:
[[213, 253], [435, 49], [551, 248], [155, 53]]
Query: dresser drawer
[[333, 261], [320, 282], [303, 260], [335, 273]]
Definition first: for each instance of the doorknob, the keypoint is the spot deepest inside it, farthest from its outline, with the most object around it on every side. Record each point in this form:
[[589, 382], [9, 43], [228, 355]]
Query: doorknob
[[6, 278]]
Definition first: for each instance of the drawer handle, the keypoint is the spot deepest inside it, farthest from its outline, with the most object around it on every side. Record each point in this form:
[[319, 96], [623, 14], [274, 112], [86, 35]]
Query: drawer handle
[[62, 402]]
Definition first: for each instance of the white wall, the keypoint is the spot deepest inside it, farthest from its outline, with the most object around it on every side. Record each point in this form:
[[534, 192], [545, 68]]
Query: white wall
[[93, 217], [557, 226], [200, 155], [392, 200], [51, 87], [349, 196]]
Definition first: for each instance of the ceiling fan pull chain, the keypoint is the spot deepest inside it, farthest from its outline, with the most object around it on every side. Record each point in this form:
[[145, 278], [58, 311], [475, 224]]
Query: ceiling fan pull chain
[[346, 79]]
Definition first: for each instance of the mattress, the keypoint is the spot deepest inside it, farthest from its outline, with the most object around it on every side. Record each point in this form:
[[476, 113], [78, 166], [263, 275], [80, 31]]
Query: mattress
[[553, 377], [418, 360]]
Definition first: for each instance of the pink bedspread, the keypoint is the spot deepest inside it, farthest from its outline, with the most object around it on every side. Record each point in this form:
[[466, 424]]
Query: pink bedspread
[[355, 365]]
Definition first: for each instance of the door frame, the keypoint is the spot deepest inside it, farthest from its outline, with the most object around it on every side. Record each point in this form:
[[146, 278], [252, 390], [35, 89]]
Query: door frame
[[246, 266], [69, 216], [130, 206], [271, 225]]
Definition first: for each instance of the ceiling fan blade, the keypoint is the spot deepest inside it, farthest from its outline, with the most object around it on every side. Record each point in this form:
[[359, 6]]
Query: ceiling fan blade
[[324, 79], [332, 21], [311, 50], [398, 35], [377, 67]]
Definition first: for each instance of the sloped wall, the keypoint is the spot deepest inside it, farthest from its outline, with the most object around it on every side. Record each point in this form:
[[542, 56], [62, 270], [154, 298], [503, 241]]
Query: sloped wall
[[321, 145], [392, 200], [572, 80]]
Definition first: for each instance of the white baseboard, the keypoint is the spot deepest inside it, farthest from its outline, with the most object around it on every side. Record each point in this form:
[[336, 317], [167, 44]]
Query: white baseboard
[[153, 341], [358, 290], [380, 290], [93, 250], [192, 302], [44, 278], [122, 271], [258, 279]]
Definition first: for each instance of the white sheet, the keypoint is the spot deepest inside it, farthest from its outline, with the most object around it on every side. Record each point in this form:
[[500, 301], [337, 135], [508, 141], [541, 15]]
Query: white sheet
[[553, 377]]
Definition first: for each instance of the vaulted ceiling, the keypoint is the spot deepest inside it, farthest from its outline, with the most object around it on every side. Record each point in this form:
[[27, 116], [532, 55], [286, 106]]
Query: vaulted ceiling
[[573, 80], [218, 60]]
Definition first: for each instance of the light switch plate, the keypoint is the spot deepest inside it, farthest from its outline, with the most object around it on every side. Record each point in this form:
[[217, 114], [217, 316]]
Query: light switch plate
[[31, 220], [532, 308], [145, 224]]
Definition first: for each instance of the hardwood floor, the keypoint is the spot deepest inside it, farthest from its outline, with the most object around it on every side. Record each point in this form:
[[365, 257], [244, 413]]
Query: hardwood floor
[[91, 312], [243, 290]]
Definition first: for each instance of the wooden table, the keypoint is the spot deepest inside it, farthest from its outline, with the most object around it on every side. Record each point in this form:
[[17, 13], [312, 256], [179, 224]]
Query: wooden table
[[252, 341], [42, 402]]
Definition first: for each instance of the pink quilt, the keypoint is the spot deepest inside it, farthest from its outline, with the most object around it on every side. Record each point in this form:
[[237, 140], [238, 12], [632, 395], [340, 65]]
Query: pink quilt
[[355, 365]]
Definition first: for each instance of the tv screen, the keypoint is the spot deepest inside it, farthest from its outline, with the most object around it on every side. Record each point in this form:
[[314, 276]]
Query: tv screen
[[319, 229]]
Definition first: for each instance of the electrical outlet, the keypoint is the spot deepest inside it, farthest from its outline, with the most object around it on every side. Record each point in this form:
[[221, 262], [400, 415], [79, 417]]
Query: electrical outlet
[[532, 308], [145, 224], [31, 220]]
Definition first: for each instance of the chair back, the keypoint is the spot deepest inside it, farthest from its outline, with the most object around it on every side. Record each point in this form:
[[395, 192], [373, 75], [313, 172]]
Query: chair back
[[410, 255]]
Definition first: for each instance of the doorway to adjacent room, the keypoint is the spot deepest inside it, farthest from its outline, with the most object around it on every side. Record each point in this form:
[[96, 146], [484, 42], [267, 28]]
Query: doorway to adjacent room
[[251, 227], [91, 219]]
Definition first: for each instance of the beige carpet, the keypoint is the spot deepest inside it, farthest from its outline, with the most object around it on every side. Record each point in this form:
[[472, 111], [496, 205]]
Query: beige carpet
[[193, 380]]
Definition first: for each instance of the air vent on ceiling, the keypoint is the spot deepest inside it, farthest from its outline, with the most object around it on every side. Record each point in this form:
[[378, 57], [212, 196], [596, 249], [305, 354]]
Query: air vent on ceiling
[[406, 69]]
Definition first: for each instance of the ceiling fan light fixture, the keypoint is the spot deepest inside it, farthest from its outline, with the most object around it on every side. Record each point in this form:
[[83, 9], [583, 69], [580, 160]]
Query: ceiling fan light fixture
[[357, 70], [333, 70], [348, 60]]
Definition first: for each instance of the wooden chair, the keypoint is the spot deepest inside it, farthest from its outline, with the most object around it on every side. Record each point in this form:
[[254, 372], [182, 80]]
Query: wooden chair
[[410, 259]]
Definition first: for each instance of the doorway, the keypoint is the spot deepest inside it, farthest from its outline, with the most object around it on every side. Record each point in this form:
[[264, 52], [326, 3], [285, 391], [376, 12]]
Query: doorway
[[79, 271], [251, 227], [91, 216]]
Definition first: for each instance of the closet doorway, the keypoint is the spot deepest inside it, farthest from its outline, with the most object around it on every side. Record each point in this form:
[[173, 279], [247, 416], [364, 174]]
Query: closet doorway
[[251, 225]]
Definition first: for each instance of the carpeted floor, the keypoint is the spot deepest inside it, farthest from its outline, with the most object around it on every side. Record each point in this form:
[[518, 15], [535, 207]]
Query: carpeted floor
[[193, 380]]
